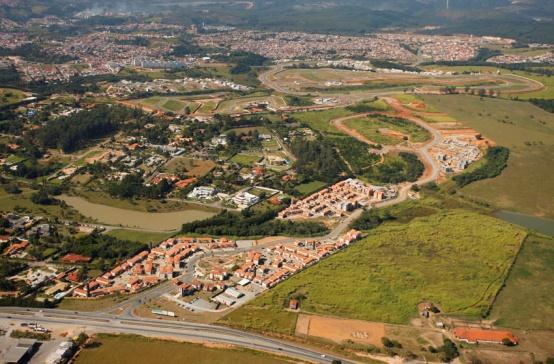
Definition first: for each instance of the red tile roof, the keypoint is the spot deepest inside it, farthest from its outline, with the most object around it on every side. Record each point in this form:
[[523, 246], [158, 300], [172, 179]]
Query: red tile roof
[[75, 258], [473, 335]]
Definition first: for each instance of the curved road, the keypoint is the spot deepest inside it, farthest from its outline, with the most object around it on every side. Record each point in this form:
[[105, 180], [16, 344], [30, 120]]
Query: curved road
[[432, 168], [96, 322]]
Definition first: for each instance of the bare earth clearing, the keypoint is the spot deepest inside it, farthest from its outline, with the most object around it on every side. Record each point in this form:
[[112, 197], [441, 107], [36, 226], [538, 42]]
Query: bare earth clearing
[[340, 330], [164, 221]]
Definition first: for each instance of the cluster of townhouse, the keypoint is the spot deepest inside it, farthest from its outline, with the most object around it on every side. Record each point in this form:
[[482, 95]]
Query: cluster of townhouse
[[458, 47], [297, 45], [100, 52], [264, 268], [147, 268], [164, 86], [397, 46], [338, 200], [273, 265], [458, 149], [13, 40], [546, 57]]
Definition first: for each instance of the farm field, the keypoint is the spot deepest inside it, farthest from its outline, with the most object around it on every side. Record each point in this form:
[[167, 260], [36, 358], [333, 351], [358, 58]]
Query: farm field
[[190, 167], [119, 349], [528, 287], [386, 130], [446, 258], [528, 131]]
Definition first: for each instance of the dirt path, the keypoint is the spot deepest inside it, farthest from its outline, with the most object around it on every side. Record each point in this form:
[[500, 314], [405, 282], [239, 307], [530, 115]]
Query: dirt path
[[431, 172]]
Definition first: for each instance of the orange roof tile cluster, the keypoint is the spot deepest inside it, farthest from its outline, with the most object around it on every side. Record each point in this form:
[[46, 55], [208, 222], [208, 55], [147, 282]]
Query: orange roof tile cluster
[[15, 247], [475, 335], [75, 258]]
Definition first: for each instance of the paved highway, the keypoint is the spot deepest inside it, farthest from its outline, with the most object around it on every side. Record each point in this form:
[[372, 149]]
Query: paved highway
[[99, 322]]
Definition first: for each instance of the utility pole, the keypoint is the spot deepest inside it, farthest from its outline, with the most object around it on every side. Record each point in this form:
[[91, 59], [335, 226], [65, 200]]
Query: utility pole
[[447, 4]]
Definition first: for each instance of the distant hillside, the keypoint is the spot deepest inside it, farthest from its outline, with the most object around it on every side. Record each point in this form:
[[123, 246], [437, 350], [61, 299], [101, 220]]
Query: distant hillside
[[526, 20]]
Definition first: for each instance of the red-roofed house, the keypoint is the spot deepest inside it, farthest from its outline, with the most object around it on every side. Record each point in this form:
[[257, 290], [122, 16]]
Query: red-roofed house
[[75, 258], [474, 335]]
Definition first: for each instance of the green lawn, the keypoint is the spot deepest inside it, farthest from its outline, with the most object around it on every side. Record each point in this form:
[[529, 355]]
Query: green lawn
[[115, 349], [370, 128], [448, 258], [525, 185], [526, 301], [310, 187], [245, 159], [138, 236], [174, 105], [320, 120]]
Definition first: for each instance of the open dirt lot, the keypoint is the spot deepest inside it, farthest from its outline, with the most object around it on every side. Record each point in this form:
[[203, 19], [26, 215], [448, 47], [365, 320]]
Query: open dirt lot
[[192, 167], [340, 330]]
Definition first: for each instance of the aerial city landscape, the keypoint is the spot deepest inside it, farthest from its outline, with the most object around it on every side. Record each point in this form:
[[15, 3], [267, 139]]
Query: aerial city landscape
[[277, 182]]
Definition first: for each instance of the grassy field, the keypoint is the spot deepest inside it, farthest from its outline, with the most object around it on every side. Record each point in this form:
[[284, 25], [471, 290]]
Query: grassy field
[[10, 96], [321, 120], [115, 349], [546, 93], [372, 127], [447, 258], [245, 159], [526, 300], [174, 105], [310, 187], [22, 203], [191, 167], [138, 236], [171, 103], [525, 185], [438, 118], [208, 106], [77, 304], [152, 219]]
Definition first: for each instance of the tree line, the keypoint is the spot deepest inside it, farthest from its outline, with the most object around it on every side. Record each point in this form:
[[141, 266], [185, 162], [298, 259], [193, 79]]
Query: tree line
[[71, 133], [496, 160], [545, 104], [248, 223]]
